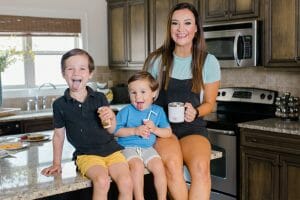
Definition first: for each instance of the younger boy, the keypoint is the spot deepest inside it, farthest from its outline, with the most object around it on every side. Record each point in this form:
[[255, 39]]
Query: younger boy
[[138, 124], [97, 154]]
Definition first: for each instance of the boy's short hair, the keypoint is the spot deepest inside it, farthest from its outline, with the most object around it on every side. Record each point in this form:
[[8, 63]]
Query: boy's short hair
[[143, 75], [74, 52]]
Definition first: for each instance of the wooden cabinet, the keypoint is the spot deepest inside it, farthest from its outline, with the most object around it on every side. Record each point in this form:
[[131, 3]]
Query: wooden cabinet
[[158, 12], [282, 33], [270, 165], [7, 128], [37, 125], [26, 126], [127, 33], [158, 18], [220, 10]]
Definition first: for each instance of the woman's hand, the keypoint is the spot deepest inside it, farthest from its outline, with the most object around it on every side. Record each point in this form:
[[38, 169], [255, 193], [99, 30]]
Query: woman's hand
[[189, 113]]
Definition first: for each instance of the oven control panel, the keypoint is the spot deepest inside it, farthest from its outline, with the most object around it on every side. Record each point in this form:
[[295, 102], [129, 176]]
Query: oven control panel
[[249, 95]]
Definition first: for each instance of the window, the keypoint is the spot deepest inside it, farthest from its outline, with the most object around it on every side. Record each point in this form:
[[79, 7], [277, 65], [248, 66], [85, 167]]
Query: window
[[45, 67], [47, 38]]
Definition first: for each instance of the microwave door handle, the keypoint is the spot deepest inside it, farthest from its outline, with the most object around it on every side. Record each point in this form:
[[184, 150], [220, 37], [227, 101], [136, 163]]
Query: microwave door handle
[[235, 49]]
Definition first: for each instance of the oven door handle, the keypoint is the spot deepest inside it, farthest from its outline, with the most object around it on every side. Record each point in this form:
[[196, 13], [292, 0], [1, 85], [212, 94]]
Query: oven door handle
[[224, 132]]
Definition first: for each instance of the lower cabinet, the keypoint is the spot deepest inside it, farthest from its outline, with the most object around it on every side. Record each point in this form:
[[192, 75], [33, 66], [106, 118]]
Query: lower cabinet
[[7, 128], [270, 166], [37, 125]]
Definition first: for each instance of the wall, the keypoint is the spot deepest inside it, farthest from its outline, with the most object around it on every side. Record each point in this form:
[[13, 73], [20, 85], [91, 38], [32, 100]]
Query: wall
[[92, 13]]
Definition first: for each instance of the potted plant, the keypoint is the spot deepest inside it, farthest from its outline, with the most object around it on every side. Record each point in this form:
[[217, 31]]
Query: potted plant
[[9, 57]]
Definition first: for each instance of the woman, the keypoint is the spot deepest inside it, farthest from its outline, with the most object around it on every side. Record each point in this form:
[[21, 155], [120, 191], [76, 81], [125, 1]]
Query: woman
[[186, 73]]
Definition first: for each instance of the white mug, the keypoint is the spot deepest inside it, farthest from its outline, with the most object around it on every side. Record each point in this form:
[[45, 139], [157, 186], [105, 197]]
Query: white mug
[[176, 112]]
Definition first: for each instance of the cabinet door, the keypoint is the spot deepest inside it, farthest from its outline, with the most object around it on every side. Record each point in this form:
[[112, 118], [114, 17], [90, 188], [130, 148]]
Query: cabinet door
[[215, 10], [137, 33], [220, 10], [259, 175], [117, 34], [194, 2], [37, 125], [282, 33], [290, 177], [9, 128], [159, 10], [244, 8]]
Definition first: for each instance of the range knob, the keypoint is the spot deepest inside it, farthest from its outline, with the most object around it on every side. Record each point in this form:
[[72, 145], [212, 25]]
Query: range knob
[[270, 97], [262, 96], [223, 93]]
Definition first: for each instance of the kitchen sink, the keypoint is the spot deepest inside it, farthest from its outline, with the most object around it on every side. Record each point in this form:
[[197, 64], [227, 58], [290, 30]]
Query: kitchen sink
[[24, 112]]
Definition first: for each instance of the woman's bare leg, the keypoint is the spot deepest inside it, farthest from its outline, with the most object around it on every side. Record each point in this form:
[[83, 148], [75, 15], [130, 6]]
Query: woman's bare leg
[[171, 155], [196, 152], [156, 167]]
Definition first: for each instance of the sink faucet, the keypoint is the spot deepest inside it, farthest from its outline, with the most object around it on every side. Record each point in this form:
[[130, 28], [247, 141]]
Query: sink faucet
[[47, 84], [44, 98]]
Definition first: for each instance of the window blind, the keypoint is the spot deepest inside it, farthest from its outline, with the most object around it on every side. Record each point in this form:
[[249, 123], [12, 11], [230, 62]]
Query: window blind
[[25, 25]]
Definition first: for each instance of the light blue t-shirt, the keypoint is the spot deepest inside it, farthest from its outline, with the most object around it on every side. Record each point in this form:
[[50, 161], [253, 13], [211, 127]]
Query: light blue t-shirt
[[130, 117], [182, 68]]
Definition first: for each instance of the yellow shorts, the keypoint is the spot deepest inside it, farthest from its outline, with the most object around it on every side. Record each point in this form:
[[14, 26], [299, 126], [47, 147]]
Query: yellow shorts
[[84, 162]]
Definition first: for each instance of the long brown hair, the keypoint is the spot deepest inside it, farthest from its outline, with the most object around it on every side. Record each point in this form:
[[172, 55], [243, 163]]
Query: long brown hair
[[166, 52]]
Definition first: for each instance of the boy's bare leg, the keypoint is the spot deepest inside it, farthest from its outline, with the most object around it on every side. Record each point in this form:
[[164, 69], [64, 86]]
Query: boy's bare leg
[[137, 173], [101, 181], [156, 166], [121, 175]]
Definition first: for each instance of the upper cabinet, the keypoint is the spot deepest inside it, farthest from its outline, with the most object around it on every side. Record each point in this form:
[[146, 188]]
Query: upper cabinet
[[158, 17], [220, 10], [282, 33], [127, 33]]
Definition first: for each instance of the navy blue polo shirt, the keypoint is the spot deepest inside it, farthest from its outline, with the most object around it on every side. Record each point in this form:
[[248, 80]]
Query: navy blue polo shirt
[[83, 126]]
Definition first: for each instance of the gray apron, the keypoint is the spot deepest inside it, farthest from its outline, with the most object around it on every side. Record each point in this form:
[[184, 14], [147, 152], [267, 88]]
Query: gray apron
[[180, 91]]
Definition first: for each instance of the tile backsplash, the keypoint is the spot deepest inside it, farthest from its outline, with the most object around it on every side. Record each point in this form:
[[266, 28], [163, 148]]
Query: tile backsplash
[[280, 80]]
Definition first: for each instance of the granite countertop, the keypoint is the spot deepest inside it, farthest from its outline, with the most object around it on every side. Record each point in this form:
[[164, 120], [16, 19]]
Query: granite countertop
[[274, 125], [20, 176], [29, 115], [24, 115]]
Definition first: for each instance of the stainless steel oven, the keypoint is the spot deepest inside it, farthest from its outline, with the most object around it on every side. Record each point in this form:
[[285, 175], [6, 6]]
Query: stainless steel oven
[[234, 105], [223, 170]]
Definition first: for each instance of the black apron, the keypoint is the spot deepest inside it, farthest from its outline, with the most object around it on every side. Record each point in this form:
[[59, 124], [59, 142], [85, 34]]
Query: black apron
[[180, 91]]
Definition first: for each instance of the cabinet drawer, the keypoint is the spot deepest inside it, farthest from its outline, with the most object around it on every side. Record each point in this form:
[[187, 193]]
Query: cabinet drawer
[[271, 141], [8, 128], [37, 125]]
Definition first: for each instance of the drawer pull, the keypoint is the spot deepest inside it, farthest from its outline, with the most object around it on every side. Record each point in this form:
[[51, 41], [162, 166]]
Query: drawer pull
[[253, 140]]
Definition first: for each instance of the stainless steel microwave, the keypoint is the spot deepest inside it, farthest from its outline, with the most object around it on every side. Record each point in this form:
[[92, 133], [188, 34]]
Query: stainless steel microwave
[[235, 44]]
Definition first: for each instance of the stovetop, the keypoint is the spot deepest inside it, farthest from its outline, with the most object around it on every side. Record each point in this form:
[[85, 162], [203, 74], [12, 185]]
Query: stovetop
[[236, 105]]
